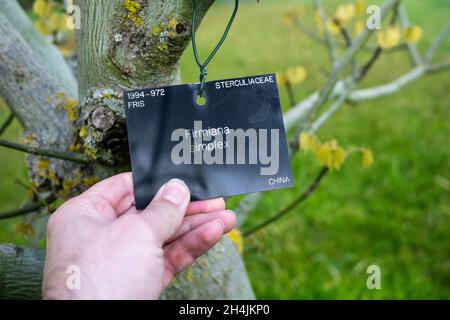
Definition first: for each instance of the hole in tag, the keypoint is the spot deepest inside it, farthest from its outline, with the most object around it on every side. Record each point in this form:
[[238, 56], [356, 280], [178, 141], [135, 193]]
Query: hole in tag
[[201, 101]]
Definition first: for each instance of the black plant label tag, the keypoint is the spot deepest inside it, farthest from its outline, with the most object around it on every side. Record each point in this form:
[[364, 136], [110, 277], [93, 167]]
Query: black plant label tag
[[233, 144]]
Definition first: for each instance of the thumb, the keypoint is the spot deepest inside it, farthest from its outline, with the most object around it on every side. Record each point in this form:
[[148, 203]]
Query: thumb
[[167, 209]]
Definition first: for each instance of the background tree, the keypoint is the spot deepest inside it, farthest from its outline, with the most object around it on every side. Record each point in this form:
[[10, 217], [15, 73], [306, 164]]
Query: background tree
[[75, 129]]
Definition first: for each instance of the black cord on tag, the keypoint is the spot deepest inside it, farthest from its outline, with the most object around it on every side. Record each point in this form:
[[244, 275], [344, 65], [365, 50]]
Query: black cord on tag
[[202, 66]]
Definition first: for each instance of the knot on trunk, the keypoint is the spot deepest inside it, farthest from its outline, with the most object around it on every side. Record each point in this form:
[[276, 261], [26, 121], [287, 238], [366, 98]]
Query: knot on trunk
[[103, 127], [103, 118]]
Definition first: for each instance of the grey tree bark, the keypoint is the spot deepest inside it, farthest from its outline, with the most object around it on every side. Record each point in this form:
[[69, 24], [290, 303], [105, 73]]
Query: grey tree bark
[[117, 49]]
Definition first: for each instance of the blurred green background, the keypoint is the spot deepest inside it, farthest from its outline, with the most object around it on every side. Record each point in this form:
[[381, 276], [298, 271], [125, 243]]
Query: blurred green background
[[395, 214]]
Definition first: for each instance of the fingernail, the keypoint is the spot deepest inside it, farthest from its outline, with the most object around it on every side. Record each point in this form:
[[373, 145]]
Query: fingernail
[[175, 191], [219, 221], [231, 212]]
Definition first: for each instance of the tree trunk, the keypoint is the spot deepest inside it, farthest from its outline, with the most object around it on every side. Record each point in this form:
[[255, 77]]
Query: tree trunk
[[117, 50], [220, 274]]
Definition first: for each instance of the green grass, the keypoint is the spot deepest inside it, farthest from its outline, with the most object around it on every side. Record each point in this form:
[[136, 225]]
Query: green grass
[[395, 214]]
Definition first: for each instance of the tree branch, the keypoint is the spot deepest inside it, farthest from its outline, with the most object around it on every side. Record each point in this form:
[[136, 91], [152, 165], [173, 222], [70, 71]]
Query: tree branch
[[396, 85], [328, 38], [348, 42], [305, 195], [216, 275], [6, 123], [28, 207], [437, 43], [30, 90], [63, 155], [346, 59], [330, 111], [305, 29], [297, 116], [414, 54], [440, 67], [369, 64], [290, 93], [48, 55], [21, 271], [245, 206]]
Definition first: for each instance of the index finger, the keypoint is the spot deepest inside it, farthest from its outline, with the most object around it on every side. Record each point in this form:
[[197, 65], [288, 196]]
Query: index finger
[[117, 191], [205, 206]]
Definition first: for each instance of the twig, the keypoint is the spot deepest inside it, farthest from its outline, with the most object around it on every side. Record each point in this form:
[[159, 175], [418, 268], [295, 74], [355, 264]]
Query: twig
[[438, 67], [290, 93], [414, 54], [437, 43], [348, 42], [23, 184], [328, 38], [245, 206], [331, 110], [30, 206], [394, 86], [318, 39], [368, 65], [347, 58], [7, 123], [305, 195], [69, 156], [296, 117]]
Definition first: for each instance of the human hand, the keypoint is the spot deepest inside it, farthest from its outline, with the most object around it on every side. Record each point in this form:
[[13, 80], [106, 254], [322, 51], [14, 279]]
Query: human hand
[[125, 254]]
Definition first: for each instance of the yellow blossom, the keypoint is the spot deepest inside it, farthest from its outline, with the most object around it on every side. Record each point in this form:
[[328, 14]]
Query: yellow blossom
[[344, 13], [236, 237], [57, 21], [296, 75], [290, 15], [65, 52], [412, 34], [333, 27], [330, 154], [359, 27], [388, 38], [318, 21], [281, 78], [367, 158], [287, 17], [40, 8], [360, 6], [43, 28], [308, 142]]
